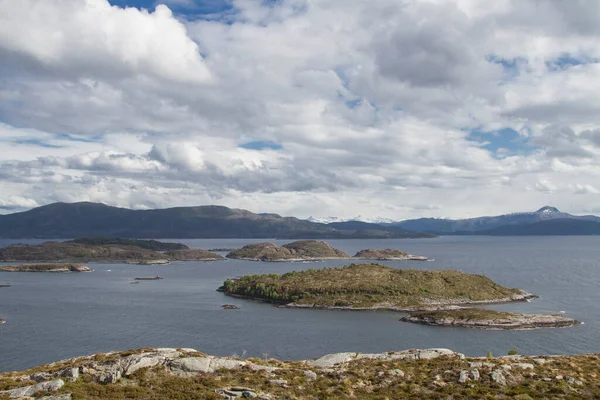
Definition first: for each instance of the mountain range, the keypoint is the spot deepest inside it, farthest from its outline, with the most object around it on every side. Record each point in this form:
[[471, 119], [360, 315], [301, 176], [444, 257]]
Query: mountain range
[[75, 220], [545, 221]]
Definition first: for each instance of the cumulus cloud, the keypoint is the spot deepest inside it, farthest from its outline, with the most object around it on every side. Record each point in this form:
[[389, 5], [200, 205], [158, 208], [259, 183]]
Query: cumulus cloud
[[368, 107]]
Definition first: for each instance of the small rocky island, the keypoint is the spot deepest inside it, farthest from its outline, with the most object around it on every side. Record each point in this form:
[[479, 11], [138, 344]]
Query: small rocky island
[[387, 254], [301, 250], [372, 287], [193, 255], [46, 268], [488, 319], [106, 250], [181, 373]]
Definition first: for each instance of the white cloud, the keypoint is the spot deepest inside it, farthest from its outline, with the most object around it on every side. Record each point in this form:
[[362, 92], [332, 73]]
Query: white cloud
[[91, 38], [372, 104]]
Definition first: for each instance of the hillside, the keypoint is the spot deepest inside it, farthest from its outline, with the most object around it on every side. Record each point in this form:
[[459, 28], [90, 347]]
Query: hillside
[[64, 220], [372, 286], [169, 373]]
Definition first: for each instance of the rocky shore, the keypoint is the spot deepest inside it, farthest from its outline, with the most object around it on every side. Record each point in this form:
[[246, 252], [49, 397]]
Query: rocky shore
[[46, 268], [489, 319], [167, 373]]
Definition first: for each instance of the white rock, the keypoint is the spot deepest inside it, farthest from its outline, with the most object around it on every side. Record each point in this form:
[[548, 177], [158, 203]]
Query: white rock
[[190, 365], [331, 360], [28, 391], [475, 374], [396, 372], [464, 376], [310, 375], [498, 377], [523, 365]]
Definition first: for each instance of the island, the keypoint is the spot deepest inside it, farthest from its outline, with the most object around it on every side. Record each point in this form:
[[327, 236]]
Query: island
[[489, 319], [148, 278], [184, 373], [301, 250], [387, 254], [94, 250], [46, 268], [372, 287], [193, 255], [153, 245]]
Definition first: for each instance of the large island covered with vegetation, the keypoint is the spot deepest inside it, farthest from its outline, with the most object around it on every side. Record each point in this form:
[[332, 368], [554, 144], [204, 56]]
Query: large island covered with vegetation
[[373, 286]]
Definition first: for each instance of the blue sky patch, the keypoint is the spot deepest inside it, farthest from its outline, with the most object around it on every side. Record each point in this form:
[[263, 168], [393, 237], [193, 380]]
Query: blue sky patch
[[261, 145], [510, 66], [194, 8], [37, 142], [567, 60], [501, 143]]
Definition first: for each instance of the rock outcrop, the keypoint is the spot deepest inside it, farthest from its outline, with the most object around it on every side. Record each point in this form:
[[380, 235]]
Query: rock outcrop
[[302, 250], [488, 319], [186, 373], [387, 254], [46, 268]]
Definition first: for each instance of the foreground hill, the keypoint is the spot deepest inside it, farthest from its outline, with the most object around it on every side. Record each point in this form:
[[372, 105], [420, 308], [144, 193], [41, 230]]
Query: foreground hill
[[372, 286], [63, 220], [410, 374], [509, 224]]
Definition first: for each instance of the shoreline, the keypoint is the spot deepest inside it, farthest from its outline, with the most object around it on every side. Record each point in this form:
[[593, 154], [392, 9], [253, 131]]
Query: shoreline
[[454, 305]]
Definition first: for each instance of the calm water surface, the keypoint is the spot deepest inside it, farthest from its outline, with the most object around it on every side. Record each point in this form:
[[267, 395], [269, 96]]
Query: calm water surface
[[56, 316]]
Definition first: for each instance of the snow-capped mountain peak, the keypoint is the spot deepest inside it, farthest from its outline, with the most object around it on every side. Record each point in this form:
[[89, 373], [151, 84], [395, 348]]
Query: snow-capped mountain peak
[[548, 210], [328, 220]]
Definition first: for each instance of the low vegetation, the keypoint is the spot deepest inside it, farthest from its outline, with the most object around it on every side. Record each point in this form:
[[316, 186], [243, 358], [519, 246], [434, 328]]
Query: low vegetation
[[446, 377], [193, 255], [371, 285]]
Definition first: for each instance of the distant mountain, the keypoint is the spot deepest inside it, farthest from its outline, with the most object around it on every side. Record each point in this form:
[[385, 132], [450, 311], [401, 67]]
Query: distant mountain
[[358, 218], [75, 220], [483, 225], [548, 228]]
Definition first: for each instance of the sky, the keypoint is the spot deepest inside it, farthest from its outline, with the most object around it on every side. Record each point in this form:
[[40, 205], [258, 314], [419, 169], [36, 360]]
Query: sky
[[387, 108]]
